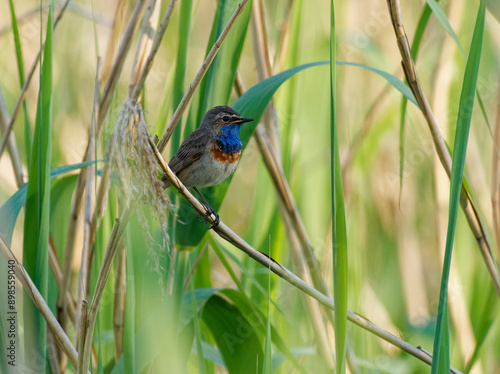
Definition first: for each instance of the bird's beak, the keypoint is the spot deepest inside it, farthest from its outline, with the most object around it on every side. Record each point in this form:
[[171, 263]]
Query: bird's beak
[[243, 120]]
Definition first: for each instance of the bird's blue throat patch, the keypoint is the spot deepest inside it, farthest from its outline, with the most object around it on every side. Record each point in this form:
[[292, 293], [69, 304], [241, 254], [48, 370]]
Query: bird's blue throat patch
[[229, 140]]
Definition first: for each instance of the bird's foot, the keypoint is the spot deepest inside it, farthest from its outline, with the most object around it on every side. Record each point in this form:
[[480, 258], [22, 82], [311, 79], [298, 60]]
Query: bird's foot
[[204, 219]]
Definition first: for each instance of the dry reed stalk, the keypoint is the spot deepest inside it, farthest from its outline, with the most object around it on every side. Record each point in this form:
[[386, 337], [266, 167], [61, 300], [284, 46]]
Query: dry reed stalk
[[99, 290], [119, 301], [263, 64], [227, 234], [84, 273], [81, 335], [27, 82], [75, 208], [113, 41], [145, 39], [40, 303], [139, 80], [55, 267], [466, 202], [116, 70], [197, 79], [55, 353]]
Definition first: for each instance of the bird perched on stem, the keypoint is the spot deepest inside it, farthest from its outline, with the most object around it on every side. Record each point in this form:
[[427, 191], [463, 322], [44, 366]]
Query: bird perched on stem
[[210, 153]]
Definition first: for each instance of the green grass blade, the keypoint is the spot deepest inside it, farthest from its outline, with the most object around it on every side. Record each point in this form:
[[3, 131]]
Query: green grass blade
[[441, 359], [443, 20], [339, 233], [36, 223], [20, 68]]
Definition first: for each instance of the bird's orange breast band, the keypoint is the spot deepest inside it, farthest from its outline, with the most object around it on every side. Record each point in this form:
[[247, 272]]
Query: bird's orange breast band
[[224, 157]]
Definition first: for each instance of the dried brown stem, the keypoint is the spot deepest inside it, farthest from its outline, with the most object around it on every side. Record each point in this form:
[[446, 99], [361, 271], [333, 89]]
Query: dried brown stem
[[119, 301], [112, 81], [99, 290], [40, 303], [466, 202], [139, 79]]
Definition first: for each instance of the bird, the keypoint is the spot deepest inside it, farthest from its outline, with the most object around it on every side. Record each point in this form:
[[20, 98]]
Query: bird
[[210, 154]]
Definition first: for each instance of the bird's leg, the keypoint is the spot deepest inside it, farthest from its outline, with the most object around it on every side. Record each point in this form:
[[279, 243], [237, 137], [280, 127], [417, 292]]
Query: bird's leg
[[209, 209]]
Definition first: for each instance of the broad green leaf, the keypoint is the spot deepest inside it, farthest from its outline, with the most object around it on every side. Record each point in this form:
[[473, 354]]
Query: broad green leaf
[[240, 300], [441, 349], [11, 208], [37, 218], [20, 69], [235, 336], [339, 233]]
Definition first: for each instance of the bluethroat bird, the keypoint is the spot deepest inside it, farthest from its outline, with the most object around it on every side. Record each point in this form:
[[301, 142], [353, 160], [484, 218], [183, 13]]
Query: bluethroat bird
[[210, 153]]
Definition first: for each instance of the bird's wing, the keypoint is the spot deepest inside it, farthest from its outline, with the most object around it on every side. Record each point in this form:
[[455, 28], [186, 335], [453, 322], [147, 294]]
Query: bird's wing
[[191, 150]]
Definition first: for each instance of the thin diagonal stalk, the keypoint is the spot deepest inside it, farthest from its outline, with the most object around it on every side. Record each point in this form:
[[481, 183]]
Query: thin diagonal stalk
[[27, 82], [136, 84], [263, 64], [227, 234], [119, 301], [39, 302], [99, 290], [145, 39], [81, 335], [75, 208], [55, 267], [197, 79], [112, 81], [84, 273], [466, 202]]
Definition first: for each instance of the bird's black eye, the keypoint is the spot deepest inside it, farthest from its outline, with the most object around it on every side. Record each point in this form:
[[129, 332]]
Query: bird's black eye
[[225, 119]]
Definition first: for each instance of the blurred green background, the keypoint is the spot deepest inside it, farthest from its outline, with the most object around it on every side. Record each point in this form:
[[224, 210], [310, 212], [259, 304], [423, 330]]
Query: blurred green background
[[395, 235]]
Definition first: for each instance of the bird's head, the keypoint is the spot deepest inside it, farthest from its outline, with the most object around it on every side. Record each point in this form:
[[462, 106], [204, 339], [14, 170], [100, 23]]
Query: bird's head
[[223, 116]]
